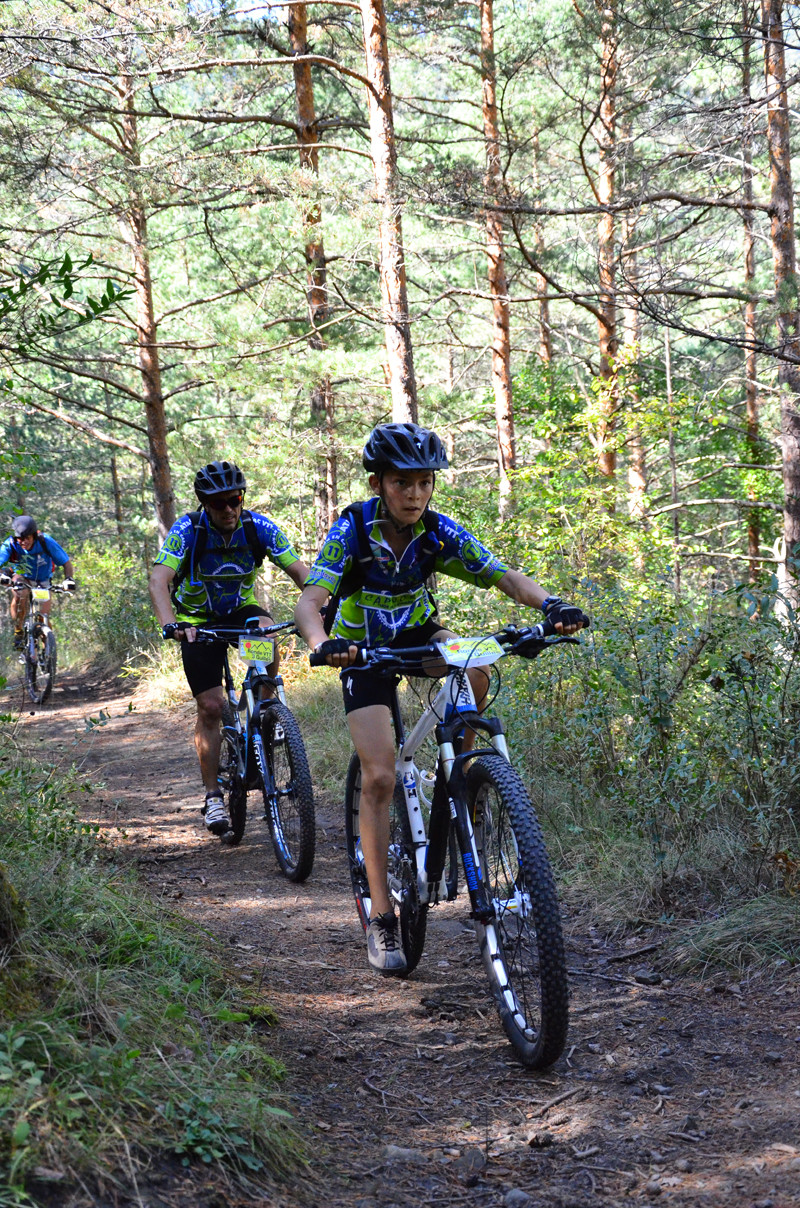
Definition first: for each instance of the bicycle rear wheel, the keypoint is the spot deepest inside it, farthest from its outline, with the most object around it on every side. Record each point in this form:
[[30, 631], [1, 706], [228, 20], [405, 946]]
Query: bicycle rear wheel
[[40, 664], [230, 780], [402, 869], [289, 809], [522, 948]]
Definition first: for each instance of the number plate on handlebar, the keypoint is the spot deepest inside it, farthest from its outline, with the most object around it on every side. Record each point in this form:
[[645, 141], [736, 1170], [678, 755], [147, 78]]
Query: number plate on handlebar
[[40, 593], [471, 652], [256, 650]]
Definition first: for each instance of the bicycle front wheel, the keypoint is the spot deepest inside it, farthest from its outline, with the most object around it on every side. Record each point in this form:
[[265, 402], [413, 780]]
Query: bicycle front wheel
[[40, 664], [402, 868], [289, 807], [522, 946], [230, 780]]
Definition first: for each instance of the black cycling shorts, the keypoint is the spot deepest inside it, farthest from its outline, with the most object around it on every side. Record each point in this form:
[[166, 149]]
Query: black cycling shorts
[[362, 687], [203, 661]]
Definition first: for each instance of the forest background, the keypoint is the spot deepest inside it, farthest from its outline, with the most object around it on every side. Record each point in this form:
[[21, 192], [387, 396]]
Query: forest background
[[560, 234]]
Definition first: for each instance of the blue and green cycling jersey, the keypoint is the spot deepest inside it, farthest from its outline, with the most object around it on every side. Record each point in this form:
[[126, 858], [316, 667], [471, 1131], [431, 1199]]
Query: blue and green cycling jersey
[[222, 579], [35, 563], [394, 596]]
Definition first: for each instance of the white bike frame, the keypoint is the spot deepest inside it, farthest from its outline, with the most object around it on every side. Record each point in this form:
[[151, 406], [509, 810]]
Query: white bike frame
[[454, 696]]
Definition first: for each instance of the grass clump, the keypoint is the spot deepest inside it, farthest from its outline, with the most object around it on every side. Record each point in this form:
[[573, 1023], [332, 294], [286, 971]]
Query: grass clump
[[121, 1041], [763, 933]]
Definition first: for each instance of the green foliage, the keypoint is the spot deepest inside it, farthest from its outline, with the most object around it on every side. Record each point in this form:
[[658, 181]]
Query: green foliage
[[117, 1025], [32, 303], [669, 736], [110, 616]]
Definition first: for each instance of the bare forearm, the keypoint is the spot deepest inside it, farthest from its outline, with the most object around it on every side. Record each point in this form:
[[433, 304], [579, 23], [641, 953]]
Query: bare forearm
[[307, 616], [522, 589], [162, 600]]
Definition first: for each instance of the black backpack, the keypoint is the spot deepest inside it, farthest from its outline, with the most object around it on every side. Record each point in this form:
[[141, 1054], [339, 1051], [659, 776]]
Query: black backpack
[[356, 576], [200, 539]]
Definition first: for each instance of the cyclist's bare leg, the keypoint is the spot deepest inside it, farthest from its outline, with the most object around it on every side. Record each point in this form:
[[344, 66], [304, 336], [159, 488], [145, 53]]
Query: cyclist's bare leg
[[373, 739], [18, 607], [208, 735]]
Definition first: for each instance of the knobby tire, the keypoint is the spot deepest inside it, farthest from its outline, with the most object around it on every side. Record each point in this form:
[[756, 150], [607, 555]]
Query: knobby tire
[[523, 948], [40, 672], [231, 782], [290, 813]]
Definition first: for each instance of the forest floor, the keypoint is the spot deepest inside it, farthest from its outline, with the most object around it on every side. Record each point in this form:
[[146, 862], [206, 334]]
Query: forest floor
[[672, 1091]]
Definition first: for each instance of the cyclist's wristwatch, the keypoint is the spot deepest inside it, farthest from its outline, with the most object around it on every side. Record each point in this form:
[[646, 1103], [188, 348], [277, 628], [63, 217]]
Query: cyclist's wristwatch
[[169, 631], [550, 602]]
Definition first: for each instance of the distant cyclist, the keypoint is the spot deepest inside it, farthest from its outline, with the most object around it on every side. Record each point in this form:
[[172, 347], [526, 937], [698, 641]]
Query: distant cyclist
[[375, 564], [32, 557], [205, 574]]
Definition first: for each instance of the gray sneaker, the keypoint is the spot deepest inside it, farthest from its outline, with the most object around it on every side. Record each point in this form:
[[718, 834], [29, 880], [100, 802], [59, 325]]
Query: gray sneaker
[[384, 945], [217, 820]]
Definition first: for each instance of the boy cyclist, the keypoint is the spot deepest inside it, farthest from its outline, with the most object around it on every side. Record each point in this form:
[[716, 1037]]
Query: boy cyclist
[[392, 606], [32, 556], [210, 560]]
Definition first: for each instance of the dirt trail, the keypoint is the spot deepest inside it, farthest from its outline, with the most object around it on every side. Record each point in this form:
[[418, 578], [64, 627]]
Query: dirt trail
[[673, 1092]]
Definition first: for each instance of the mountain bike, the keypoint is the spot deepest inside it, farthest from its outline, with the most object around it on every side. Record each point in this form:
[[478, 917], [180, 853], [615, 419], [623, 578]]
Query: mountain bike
[[262, 748], [39, 653], [477, 798]]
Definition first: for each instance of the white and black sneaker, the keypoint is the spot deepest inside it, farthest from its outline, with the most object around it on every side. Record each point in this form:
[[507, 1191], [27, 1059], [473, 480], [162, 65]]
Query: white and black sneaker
[[384, 945], [216, 812]]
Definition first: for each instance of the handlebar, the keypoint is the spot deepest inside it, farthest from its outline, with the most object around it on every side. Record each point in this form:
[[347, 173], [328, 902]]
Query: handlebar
[[27, 585], [526, 643], [223, 633]]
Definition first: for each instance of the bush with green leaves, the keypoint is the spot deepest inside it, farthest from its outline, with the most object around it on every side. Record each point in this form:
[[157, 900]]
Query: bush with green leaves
[[662, 751], [110, 616]]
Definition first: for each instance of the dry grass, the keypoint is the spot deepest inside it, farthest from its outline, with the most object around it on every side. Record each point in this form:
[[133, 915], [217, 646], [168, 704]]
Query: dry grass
[[763, 933]]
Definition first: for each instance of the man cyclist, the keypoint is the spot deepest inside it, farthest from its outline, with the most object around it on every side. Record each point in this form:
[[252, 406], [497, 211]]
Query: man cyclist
[[393, 606], [32, 556], [208, 563]]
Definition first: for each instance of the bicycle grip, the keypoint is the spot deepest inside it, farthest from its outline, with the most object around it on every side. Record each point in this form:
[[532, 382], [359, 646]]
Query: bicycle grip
[[317, 658]]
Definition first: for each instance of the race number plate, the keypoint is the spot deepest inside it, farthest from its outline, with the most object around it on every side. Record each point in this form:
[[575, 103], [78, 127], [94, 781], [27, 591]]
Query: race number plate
[[470, 652], [256, 650], [40, 593]]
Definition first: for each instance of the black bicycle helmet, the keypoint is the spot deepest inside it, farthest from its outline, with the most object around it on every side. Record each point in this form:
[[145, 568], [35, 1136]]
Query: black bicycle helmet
[[403, 447], [217, 477], [24, 526]]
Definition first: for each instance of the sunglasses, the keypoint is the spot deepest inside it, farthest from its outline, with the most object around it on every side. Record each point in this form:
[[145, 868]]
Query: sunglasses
[[220, 505]]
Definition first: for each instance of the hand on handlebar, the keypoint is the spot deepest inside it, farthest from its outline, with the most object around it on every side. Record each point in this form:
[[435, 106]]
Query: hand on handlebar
[[69, 585], [5, 580], [335, 652], [180, 632], [564, 617]]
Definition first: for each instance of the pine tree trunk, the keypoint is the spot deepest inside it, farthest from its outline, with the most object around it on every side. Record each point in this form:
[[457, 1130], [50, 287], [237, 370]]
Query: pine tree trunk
[[498, 282], [394, 293], [607, 456], [309, 160], [146, 328], [637, 463], [751, 388], [784, 259], [322, 412]]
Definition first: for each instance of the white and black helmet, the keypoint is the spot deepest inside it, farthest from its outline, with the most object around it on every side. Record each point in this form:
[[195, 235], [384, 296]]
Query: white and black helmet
[[219, 476], [403, 447]]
